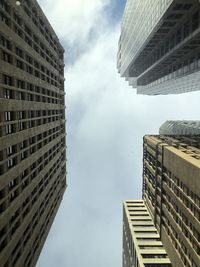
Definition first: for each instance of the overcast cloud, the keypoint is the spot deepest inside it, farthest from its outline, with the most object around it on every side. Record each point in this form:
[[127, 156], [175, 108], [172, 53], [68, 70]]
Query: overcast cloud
[[106, 122]]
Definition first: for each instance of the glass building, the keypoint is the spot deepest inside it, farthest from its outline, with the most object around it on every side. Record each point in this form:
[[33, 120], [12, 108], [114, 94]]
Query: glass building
[[180, 128], [159, 51]]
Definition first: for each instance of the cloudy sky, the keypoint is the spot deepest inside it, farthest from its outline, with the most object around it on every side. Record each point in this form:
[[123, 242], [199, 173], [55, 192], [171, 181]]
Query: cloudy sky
[[106, 121]]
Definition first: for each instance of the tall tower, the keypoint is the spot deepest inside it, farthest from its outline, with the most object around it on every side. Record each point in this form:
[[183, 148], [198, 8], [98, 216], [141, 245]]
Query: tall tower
[[141, 241], [159, 51], [171, 192], [180, 128], [32, 131]]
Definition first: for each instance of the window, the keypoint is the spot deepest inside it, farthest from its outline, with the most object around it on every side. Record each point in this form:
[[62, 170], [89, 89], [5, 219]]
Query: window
[[10, 163], [8, 128], [9, 150], [18, 32], [28, 41], [37, 74], [4, 19], [195, 21], [17, 19], [30, 86], [7, 116], [8, 80], [7, 93], [4, 42], [22, 126], [19, 52], [29, 59], [19, 64], [186, 29], [21, 96], [21, 84], [12, 183], [29, 69]]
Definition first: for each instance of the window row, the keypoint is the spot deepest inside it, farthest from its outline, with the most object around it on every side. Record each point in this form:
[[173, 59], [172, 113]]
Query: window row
[[20, 53], [24, 32], [27, 206], [30, 114], [16, 153], [9, 58], [174, 38], [11, 127]]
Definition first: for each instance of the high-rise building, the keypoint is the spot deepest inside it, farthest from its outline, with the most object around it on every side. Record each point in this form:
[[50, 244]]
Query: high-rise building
[[32, 131], [171, 192], [159, 51], [141, 241], [180, 128]]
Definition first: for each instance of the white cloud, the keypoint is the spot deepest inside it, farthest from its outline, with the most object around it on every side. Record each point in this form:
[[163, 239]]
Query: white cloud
[[73, 20], [106, 121]]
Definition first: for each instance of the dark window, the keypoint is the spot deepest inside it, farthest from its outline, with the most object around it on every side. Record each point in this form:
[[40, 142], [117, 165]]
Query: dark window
[[195, 21], [17, 19], [6, 43], [19, 52], [186, 29], [7, 57], [5, 19], [19, 64], [21, 84], [8, 80]]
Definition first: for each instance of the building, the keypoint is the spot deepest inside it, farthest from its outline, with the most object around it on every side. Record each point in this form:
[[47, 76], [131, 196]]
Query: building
[[32, 131], [171, 192], [141, 241], [180, 128], [159, 51]]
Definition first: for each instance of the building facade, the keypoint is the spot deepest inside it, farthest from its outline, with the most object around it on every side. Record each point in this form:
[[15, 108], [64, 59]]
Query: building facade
[[141, 241], [32, 131], [180, 128], [159, 50], [171, 192]]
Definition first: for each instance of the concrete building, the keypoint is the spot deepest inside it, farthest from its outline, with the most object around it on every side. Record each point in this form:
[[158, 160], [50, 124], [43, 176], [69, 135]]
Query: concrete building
[[171, 192], [180, 128], [32, 131], [159, 51], [141, 241]]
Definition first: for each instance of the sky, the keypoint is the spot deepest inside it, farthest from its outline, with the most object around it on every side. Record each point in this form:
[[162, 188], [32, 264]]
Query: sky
[[106, 122]]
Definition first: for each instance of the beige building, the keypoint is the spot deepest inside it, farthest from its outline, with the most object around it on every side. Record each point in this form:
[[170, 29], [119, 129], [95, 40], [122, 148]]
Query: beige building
[[171, 192], [168, 217], [141, 241], [32, 131]]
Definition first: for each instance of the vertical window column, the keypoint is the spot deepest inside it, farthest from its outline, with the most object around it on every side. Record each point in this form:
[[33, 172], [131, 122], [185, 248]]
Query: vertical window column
[[2, 128]]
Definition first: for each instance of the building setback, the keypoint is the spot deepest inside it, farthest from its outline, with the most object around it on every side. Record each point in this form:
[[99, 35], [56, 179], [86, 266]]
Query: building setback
[[141, 242], [180, 128], [159, 51], [171, 192], [32, 131]]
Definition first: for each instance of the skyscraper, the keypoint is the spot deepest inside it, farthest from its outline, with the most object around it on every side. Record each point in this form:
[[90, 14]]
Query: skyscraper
[[168, 217], [141, 241], [32, 131], [159, 50], [180, 128], [171, 192]]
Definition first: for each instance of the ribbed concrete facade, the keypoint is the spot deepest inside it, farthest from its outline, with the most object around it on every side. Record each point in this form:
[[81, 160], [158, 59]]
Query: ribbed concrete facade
[[159, 50], [171, 192], [141, 241], [180, 128], [32, 131]]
